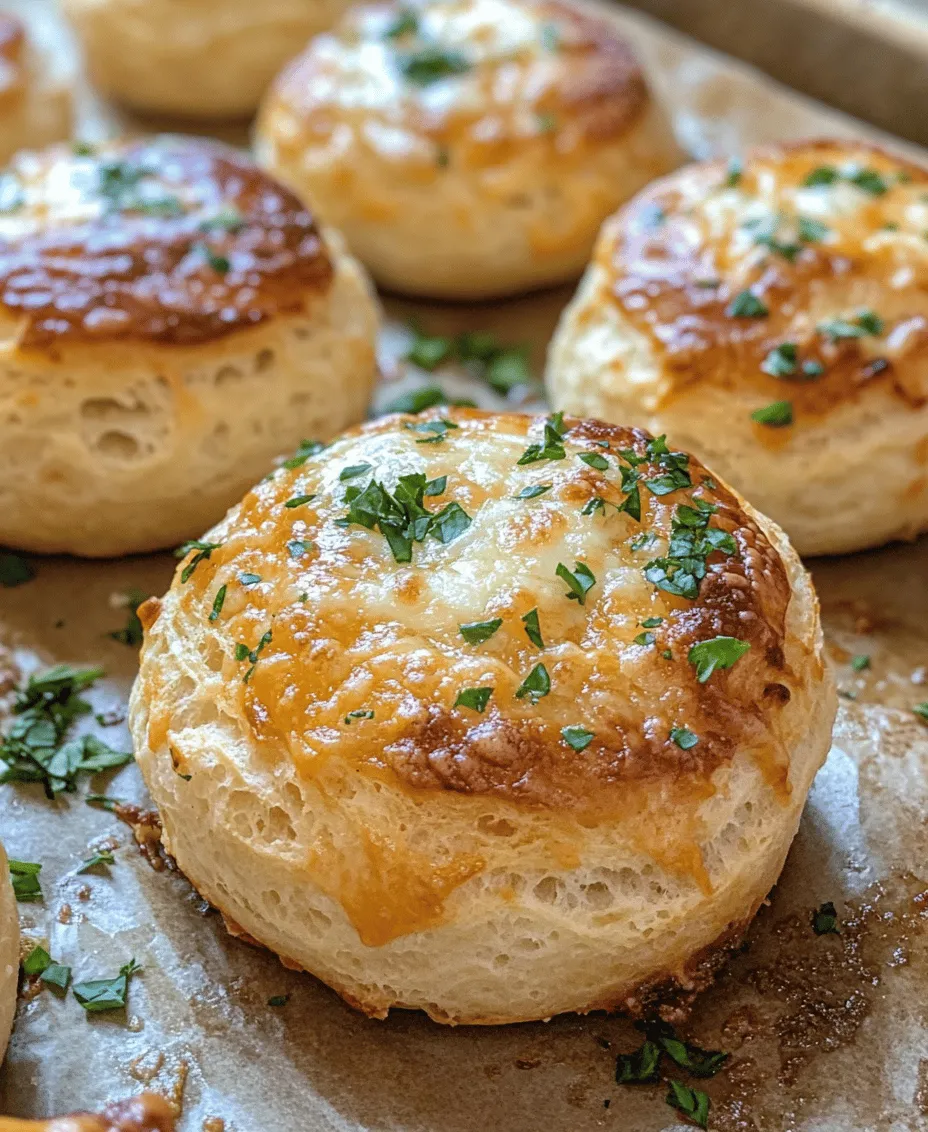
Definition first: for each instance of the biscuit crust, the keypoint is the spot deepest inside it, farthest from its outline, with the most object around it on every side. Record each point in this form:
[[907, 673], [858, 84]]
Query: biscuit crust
[[785, 297], [414, 747], [499, 132]]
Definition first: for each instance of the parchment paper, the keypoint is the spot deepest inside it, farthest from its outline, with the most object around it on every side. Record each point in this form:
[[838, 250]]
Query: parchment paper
[[826, 1032]]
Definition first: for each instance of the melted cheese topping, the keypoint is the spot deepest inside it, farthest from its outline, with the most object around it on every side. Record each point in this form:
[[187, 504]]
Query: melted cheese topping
[[168, 240], [823, 235], [505, 72], [319, 626]]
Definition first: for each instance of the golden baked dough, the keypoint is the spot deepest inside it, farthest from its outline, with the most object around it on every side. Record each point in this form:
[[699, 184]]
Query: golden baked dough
[[456, 721], [9, 954], [773, 318], [146, 1113], [466, 148], [208, 59], [171, 320], [35, 101]]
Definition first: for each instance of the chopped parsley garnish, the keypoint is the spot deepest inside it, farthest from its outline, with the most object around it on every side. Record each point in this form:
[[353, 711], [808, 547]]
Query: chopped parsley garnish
[[227, 219], [644, 639], [782, 360], [747, 305], [243, 653], [502, 367], [733, 173], [278, 1000], [693, 1103], [436, 430], [39, 963], [631, 504], [299, 500], [418, 400], [860, 663], [640, 1067], [203, 551], [476, 632], [103, 857], [579, 581], [551, 446], [104, 802], [675, 465], [577, 737], [249, 579], [355, 470], [432, 64], [868, 180], [698, 1062], [306, 449], [14, 570], [865, 323], [34, 747], [428, 351], [775, 415], [684, 738], [437, 486], [99, 995], [766, 233], [297, 547], [811, 231], [219, 263], [474, 698], [406, 23], [652, 622], [361, 713], [692, 540], [595, 460], [825, 920], [507, 369], [823, 175], [535, 685], [546, 123], [921, 710], [218, 602], [532, 628], [534, 491], [131, 633], [24, 876], [719, 652], [401, 517]]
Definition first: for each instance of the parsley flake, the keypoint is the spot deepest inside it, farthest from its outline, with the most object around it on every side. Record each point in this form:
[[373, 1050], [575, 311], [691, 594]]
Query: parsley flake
[[203, 551], [249, 579], [866, 323], [698, 1062], [921, 710], [777, 414], [437, 430], [476, 632], [860, 663], [534, 491], [825, 919], [577, 737], [418, 400], [595, 460], [306, 449], [693, 1103], [99, 995], [131, 633], [536, 685], [684, 738], [406, 23], [552, 445], [747, 305], [218, 602], [644, 639], [24, 876], [103, 857], [692, 540], [474, 698], [360, 713], [432, 64], [14, 570], [579, 581], [719, 652], [299, 500], [532, 628], [278, 1000], [640, 1067], [782, 360]]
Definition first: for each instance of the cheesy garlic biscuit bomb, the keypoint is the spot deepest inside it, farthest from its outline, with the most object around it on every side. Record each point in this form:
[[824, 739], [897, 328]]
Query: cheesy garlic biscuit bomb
[[773, 318], [172, 320], [206, 59], [35, 104], [488, 716], [466, 148], [9, 953]]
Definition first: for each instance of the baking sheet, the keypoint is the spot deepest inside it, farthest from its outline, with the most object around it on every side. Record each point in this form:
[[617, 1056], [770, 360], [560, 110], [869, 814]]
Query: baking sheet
[[826, 1032]]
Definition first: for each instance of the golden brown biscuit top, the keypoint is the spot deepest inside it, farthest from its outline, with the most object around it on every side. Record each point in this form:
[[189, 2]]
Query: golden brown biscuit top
[[801, 273], [494, 605], [170, 240], [481, 75], [146, 1113]]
